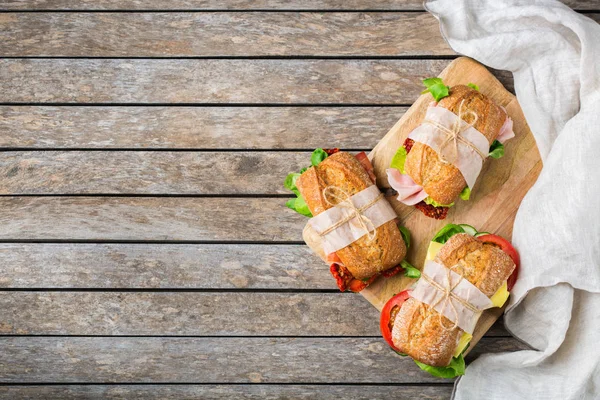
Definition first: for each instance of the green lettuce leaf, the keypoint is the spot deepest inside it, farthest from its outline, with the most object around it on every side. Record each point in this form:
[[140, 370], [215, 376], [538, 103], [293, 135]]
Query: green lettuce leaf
[[399, 159], [496, 150], [447, 232], [466, 193], [454, 369], [436, 87], [473, 86], [430, 201], [290, 181], [409, 270], [299, 205], [405, 235], [317, 156]]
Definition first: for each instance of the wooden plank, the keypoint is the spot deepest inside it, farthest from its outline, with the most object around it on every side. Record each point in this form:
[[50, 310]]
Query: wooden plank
[[399, 5], [212, 5], [221, 34], [195, 127], [217, 392], [213, 360], [190, 313], [157, 219], [216, 81], [166, 266], [143, 172], [214, 392]]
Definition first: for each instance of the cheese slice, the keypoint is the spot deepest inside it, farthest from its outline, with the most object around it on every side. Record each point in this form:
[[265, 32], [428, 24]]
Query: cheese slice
[[501, 295], [498, 299], [462, 343], [434, 248]]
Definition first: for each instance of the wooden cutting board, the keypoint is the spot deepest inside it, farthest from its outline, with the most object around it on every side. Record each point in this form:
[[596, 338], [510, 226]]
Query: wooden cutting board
[[495, 198]]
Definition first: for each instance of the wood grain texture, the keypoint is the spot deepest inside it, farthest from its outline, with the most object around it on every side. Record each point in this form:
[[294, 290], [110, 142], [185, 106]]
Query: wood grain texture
[[214, 360], [218, 392], [400, 5], [212, 4], [143, 172], [166, 266], [199, 314], [134, 218], [217, 81], [220, 34], [195, 127]]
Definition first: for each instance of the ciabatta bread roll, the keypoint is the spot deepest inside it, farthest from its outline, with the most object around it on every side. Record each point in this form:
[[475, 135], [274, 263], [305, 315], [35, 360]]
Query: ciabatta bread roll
[[364, 258]]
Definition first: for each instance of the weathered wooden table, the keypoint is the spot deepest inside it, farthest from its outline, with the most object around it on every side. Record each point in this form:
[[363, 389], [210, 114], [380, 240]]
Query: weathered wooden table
[[145, 248]]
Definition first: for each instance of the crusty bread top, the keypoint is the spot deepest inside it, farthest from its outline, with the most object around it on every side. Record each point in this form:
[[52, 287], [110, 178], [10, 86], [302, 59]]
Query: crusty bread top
[[342, 170], [418, 333], [418, 329], [483, 264], [490, 117], [363, 258], [443, 182]]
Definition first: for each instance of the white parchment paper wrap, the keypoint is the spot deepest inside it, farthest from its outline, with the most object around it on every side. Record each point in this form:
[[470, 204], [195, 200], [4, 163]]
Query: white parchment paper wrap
[[468, 162], [428, 294], [378, 214]]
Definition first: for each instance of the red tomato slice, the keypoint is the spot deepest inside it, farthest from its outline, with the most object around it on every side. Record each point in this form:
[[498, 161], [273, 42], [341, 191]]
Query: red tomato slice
[[366, 163], [508, 249], [388, 312]]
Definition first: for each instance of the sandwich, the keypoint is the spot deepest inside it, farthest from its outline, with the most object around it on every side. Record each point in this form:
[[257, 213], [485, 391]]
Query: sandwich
[[441, 159], [335, 179], [427, 325]]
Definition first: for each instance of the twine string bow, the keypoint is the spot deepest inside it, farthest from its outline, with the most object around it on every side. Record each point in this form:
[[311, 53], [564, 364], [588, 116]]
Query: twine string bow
[[343, 199], [448, 296], [454, 135]]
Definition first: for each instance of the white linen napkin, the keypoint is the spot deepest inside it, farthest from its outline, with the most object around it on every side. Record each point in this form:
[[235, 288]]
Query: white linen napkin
[[554, 54]]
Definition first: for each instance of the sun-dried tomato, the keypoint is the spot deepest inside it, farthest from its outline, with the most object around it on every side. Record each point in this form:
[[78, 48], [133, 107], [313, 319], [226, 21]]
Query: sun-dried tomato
[[408, 144], [392, 271], [342, 276], [346, 281], [432, 211]]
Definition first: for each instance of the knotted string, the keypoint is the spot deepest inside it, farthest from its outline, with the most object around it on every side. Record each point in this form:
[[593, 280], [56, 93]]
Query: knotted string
[[447, 297], [454, 134], [345, 201]]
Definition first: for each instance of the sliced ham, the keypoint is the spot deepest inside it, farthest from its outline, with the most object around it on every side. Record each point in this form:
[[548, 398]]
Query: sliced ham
[[506, 131], [409, 192]]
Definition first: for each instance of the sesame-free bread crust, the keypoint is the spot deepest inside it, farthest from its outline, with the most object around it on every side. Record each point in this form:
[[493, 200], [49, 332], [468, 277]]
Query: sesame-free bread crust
[[363, 258], [441, 181], [418, 329]]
